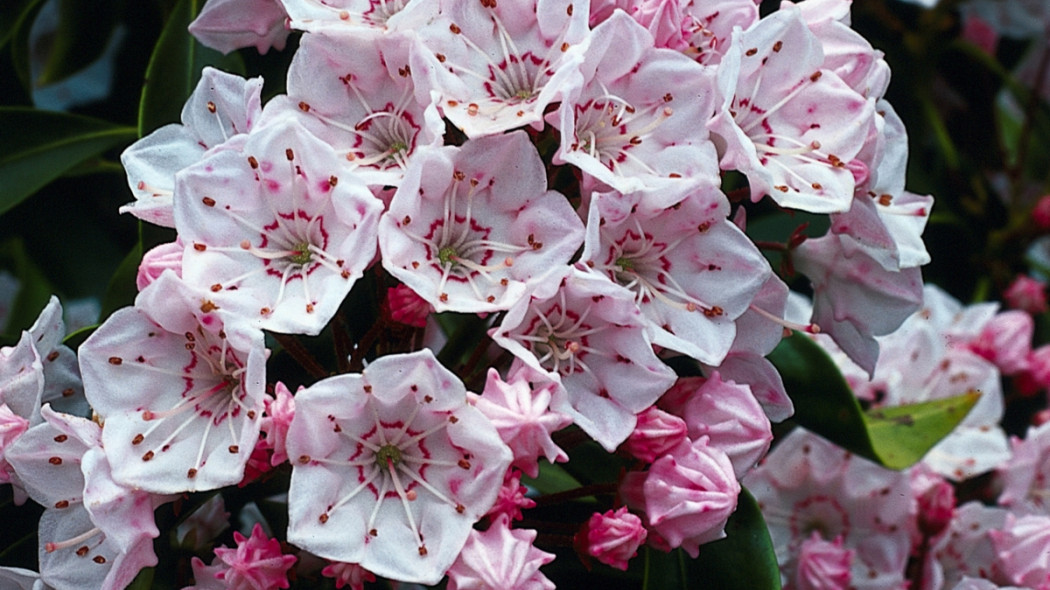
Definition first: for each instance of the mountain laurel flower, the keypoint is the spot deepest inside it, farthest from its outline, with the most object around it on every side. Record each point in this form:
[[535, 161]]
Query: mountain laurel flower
[[511, 499], [358, 17], [256, 562], [222, 108], [1027, 294], [226, 25], [391, 468], [709, 26], [655, 434], [156, 260], [590, 339], [521, 413], [277, 418], [692, 271], [631, 125], [612, 537], [496, 66], [181, 394], [790, 126], [277, 232], [500, 557], [1023, 548], [348, 574], [823, 565], [95, 532], [686, 495], [474, 229], [359, 94]]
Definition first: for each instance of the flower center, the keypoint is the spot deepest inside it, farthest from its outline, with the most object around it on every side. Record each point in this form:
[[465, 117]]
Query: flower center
[[388, 454], [300, 253]]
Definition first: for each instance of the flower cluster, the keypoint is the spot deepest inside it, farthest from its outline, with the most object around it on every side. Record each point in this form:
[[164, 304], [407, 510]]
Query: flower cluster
[[529, 199]]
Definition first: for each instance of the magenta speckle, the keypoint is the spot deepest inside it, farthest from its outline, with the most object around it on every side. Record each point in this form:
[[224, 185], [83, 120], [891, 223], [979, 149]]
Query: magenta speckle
[[273, 185]]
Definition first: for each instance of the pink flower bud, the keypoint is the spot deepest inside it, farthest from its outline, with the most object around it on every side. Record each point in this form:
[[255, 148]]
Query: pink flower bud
[[511, 499], [613, 537], [1041, 211], [157, 260], [406, 307], [823, 565], [1006, 340], [348, 574], [656, 433], [1026, 294], [936, 508], [256, 562]]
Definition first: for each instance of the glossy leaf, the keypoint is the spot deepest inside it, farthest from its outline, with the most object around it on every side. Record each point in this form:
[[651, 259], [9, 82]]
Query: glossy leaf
[[76, 46], [902, 435], [122, 289], [175, 67], [743, 560], [40, 146], [19, 39], [824, 403], [896, 437]]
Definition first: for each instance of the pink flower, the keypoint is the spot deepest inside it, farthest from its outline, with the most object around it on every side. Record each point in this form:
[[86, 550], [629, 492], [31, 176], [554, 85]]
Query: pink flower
[[807, 485], [474, 229], [1023, 548], [256, 563], [710, 25], [522, 416], [630, 124], [966, 548], [348, 574], [511, 499], [1006, 340], [500, 557], [11, 427], [277, 232], [181, 394], [391, 468], [655, 434], [226, 25], [498, 66], [692, 271], [222, 107], [94, 533], [358, 94], [590, 340], [1025, 477], [790, 126], [1041, 213], [1026, 294], [822, 565], [612, 537], [158, 259], [277, 418], [405, 306], [730, 417], [687, 495]]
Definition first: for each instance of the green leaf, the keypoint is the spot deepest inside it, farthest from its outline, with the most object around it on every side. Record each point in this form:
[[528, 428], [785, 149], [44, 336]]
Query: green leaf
[[552, 479], [77, 44], [743, 560], [11, 13], [19, 39], [40, 146], [903, 434], [896, 437], [824, 403], [175, 67], [122, 288]]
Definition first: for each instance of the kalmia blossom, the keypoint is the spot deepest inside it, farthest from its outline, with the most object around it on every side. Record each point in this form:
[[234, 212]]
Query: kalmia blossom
[[822, 565], [656, 433], [181, 394], [511, 499], [855, 298], [729, 416], [358, 16], [686, 495], [277, 418], [220, 111], [631, 125], [359, 94], [348, 574], [589, 338], [710, 23], [500, 557], [792, 127], [1027, 294], [156, 260], [391, 468], [692, 271], [256, 562], [806, 485], [405, 306], [1025, 477], [95, 532], [496, 66], [612, 537], [474, 229], [277, 232], [965, 548], [521, 413], [226, 25], [1023, 550]]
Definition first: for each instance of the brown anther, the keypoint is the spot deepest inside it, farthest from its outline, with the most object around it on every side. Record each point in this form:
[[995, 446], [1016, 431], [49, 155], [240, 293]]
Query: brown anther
[[422, 549], [82, 551], [207, 306], [147, 456], [368, 388], [455, 29], [54, 355], [115, 360], [99, 559], [565, 47], [816, 76], [138, 439], [333, 180], [216, 288], [323, 518], [751, 51], [463, 464], [777, 46], [211, 107], [304, 459], [288, 153], [199, 247], [191, 473], [253, 162], [460, 508], [55, 460], [61, 438], [234, 449], [62, 504], [304, 108]]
